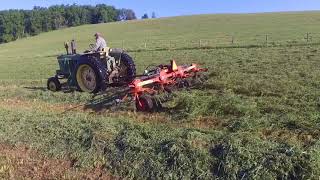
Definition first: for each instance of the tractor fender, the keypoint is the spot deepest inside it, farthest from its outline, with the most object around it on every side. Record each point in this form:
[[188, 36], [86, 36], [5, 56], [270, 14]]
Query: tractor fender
[[124, 58], [116, 53], [99, 68]]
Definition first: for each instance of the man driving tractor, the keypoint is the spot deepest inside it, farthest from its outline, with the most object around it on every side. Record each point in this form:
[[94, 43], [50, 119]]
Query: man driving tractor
[[101, 46]]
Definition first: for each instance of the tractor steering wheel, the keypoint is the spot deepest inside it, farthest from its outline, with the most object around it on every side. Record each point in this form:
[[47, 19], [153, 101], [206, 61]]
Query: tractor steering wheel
[[90, 50], [92, 46]]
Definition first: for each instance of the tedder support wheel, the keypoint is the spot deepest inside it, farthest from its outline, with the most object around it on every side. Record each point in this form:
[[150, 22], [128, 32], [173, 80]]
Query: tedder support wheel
[[157, 105], [144, 103], [147, 103], [53, 84], [184, 84]]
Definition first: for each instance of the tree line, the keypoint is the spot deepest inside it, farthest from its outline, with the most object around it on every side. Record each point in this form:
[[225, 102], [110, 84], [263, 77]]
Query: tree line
[[15, 24], [146, 16]]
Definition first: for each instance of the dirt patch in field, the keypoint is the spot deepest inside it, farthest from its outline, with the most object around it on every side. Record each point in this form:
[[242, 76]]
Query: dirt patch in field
[[24, 163], [208, 123], [284, 135], [8, 87]]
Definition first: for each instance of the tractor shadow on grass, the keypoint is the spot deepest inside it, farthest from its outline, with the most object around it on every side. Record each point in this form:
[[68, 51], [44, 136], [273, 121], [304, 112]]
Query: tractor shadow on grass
[[34, 88], [110, 100], [64, 89]]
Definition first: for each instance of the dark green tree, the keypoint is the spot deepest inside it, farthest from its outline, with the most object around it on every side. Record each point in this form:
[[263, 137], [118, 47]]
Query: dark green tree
[[145, 16], [11, 25], [57, 17], [15, 24], [125, 14], [153, 15]]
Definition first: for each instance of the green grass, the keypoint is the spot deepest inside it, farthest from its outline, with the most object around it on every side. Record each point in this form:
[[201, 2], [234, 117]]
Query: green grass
[[36, 55], [257, 117]]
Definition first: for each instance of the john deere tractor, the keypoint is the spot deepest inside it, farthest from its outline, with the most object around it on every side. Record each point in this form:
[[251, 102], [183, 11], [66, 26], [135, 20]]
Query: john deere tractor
[[88, 72]]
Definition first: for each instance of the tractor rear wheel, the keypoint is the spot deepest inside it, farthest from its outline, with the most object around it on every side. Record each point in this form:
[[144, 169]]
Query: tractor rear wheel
[[127, 68], [53, 84]]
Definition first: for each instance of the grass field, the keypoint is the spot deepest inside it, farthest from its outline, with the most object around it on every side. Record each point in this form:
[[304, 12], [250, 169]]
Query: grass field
[[257, 117]]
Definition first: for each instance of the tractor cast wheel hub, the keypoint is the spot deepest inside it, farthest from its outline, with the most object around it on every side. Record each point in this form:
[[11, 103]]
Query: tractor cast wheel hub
[[87, 78]]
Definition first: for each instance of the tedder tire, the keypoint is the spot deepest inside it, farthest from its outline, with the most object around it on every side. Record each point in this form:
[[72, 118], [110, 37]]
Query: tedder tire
[[157, 105], [184, 84], [87, 78], [144, 103], [53, 84]]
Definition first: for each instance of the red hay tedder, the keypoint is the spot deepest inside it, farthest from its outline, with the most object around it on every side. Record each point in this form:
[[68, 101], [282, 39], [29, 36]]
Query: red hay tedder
[[163, 78]]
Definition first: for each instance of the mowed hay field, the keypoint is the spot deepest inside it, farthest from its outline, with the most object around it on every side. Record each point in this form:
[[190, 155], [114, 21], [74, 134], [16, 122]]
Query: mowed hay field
[[257, 117]]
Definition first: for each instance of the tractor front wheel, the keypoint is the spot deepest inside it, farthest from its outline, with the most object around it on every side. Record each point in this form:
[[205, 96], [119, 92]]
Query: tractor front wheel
[[53, 84]]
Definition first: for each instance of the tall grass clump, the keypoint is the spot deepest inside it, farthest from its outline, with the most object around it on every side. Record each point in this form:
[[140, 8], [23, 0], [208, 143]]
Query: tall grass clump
[[244, 156]]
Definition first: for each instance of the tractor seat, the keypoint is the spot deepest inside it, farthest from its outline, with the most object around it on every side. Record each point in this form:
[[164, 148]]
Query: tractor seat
[[104, 53]]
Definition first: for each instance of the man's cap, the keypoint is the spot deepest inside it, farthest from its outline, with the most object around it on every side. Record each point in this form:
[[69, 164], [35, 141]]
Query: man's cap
[[97, 34]]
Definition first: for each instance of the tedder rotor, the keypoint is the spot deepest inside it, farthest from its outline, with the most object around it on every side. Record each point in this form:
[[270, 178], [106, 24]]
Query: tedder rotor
[[163, 78]]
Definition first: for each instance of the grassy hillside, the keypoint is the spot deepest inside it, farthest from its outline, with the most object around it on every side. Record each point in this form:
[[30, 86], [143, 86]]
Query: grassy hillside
[[35, 53], [256, 117]]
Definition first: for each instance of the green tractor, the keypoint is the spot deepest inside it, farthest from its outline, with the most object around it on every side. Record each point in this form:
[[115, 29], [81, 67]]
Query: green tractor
[[89, 72]]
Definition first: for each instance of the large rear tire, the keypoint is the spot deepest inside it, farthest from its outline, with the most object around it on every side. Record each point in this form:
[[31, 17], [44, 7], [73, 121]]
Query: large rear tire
[[127, 69]]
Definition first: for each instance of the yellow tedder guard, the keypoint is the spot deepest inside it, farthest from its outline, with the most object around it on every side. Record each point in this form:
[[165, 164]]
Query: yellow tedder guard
[[174, 65]]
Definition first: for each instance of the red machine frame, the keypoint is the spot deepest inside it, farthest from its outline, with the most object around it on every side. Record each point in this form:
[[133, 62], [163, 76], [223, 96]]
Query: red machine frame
[[167, 75]]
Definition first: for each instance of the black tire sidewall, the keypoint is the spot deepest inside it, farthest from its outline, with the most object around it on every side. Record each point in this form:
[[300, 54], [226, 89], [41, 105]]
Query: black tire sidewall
[[147, 100], [129, 63], [56, 82]]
